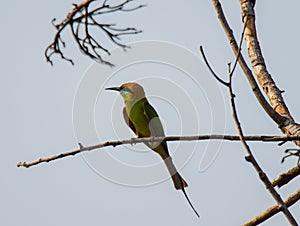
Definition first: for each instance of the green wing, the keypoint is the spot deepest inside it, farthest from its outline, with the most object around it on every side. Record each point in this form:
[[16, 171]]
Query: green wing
[[155, 126], [128, 121]]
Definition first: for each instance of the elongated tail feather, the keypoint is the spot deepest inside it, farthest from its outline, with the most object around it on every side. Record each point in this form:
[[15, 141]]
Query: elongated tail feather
[[178, 181], [187, 198]]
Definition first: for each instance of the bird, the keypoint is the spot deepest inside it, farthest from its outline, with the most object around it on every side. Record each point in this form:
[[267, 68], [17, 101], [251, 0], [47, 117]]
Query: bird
[[144, 121]]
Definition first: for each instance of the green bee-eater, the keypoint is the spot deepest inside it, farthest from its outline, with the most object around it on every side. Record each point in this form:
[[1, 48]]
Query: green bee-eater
[[142, 118]]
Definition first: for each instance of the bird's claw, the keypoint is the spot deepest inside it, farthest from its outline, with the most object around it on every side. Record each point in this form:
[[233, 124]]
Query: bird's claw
[[133, 141]]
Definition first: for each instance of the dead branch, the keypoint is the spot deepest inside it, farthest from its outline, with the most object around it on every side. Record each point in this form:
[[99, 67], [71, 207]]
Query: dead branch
[[278, 118], [250, 158], [287, 125], [217, 77], [254, 86], [156, 139], [286, 177], [84, 16], [291, 152], [270, 212]]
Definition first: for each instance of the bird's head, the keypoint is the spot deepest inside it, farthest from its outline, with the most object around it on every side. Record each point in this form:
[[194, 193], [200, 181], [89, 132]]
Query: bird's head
[[130, 91]]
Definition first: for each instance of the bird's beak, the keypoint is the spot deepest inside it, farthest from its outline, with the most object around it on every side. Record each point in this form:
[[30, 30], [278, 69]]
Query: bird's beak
[[113, 88]]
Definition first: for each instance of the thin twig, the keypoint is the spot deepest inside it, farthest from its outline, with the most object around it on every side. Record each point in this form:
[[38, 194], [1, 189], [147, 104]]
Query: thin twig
[[156, 139], [270, 212], [211, 70], [234, 65], [292, 152], [238, 53]]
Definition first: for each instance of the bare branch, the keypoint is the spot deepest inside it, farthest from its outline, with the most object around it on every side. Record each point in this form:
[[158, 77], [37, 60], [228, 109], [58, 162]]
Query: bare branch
[[237, 55], [157, 139], [292, 152], [270, 212], [250, 158], [79, 19], [254, 86], [234, 66], [287, 125], [286, 177], [211, 70], [278, 118]]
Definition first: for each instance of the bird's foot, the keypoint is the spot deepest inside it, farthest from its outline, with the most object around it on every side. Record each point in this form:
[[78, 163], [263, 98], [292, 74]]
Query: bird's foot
[[133, 141]]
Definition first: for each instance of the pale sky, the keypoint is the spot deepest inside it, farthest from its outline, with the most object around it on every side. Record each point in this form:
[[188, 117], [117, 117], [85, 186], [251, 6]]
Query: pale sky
[[43, 116]]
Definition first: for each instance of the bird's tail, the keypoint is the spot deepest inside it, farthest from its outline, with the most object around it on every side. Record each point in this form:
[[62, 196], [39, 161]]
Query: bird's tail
[[178, 181]]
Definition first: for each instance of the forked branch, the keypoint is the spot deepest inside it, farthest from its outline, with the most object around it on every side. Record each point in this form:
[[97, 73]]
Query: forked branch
[[270, 212], [82, 20], [250, 157]]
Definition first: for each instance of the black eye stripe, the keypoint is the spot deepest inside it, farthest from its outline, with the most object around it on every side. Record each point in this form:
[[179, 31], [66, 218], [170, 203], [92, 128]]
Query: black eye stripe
[[126, 89]]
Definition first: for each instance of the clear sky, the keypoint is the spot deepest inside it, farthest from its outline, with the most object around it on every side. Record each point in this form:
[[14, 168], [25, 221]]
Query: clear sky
[[42, 115]]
